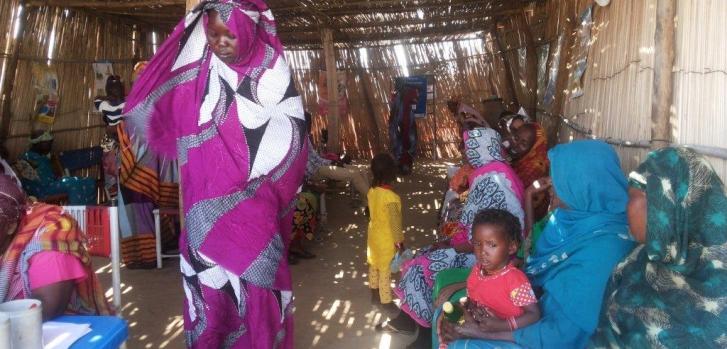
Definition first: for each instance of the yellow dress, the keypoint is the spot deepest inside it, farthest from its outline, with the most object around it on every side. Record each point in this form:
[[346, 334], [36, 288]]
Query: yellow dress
[[384, 227]]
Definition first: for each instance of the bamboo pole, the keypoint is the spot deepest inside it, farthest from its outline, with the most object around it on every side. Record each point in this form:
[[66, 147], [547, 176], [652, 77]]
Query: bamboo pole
[[531, 78], [329, 51], [10, 80], [561, 82], [664, 55], [510, 74], [368, 98]]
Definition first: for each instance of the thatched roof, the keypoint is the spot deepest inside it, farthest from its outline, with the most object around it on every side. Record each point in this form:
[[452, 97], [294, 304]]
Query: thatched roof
[[355, 22]]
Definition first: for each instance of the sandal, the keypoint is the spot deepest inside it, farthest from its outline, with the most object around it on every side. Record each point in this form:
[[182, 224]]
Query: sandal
[[386, 326], [303, 254]]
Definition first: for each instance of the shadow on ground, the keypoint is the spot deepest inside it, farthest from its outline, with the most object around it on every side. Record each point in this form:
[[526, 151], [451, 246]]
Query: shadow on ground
[[333, 306]]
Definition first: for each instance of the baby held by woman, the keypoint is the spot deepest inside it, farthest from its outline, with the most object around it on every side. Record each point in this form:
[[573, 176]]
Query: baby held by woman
[[500, 298]]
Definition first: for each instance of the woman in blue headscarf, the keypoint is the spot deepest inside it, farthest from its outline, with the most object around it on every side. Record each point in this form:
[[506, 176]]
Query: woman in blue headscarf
[[585, 238]]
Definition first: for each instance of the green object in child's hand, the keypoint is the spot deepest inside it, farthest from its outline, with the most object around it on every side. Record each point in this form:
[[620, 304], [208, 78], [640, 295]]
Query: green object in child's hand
[[453, 313]]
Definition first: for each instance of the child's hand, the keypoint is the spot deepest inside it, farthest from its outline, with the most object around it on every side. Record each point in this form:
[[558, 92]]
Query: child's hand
[[478, 313]]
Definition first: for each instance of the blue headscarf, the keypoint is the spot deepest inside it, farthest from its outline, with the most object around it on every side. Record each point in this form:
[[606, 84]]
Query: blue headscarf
[[581, 244]]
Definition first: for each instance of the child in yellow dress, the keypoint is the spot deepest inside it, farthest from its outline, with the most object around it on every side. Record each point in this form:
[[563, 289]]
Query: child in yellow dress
[[385, 234]]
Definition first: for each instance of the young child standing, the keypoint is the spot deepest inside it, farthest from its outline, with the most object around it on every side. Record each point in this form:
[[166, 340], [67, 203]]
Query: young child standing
[[385, 234], [500, 298]]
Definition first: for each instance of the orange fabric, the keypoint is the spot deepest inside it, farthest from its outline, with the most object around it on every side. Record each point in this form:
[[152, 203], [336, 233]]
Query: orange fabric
[[142, 179], [56, 231], [535, 163], [460, 182]]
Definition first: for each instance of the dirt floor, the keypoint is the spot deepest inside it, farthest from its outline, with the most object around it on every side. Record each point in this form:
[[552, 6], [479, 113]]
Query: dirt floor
[[332, 300]]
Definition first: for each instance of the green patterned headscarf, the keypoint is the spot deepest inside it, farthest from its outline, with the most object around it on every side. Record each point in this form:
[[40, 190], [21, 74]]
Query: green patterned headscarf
[[671, 292]]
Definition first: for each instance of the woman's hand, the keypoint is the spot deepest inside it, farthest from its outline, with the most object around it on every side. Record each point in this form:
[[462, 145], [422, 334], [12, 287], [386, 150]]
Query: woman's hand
[[469, 329], [448, 331], [539, 186], [487, 324]]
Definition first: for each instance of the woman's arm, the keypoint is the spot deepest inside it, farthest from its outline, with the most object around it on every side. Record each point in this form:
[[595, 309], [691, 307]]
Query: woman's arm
[[530, 315], [469, 330]]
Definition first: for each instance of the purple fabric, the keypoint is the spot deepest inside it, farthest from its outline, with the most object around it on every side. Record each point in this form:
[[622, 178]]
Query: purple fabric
[[237, 132], [213, 318]]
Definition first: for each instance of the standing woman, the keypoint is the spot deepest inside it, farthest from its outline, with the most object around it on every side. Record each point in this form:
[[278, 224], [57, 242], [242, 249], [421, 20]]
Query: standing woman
[[402, 126], [219, 97]]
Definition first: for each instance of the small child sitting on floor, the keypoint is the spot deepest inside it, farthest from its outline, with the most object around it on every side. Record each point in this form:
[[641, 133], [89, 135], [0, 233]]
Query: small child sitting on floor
[[500, 298], [385, 234]]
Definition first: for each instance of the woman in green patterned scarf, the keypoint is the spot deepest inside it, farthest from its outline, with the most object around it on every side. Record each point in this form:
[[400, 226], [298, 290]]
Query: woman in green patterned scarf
[[671, 292]]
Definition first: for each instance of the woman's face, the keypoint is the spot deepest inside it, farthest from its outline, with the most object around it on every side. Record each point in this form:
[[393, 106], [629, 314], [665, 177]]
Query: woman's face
[[523, 140], [222, 40], [516, 124], [637, 214]]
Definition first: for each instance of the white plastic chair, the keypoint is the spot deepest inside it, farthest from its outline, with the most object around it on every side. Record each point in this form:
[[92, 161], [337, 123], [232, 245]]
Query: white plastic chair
[[158, 234], [79, 213]]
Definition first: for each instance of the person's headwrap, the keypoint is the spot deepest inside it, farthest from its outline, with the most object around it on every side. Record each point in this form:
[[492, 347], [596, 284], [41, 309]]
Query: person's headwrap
[[482, 146], [12, 202], [676, 282], [583, 241], [44, 137], [535, 163]]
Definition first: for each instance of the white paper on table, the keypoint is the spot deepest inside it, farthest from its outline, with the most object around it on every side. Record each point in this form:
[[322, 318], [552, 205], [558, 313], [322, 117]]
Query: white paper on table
[[61, 335]]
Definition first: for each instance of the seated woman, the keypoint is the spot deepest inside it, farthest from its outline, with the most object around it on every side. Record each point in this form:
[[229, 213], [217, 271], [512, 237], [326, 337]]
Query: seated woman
[[529, 154], [39, 179], [670, 292], [584, 240], [493, 184], [43, 257]]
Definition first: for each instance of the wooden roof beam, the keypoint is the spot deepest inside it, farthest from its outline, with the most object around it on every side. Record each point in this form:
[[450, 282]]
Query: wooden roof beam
[[375, 24], [455, 4], [313, 38], [105, 4]]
